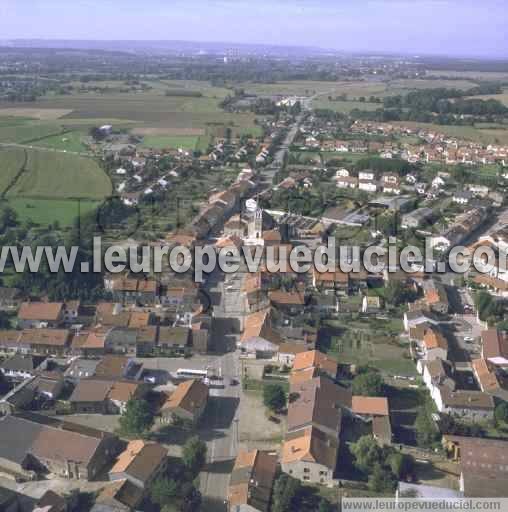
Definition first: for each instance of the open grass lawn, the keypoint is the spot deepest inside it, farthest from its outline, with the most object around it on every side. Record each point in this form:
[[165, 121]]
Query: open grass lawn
[[187, 142], [11, 162], [344, 106], [46, 211], [28, 131], [367, 341], [58, 175], [69, 141]]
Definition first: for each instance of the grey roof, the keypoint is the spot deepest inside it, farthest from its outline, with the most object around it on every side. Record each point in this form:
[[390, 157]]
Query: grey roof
[[121, 336], [82, 368], [20, 362], [17, 437]]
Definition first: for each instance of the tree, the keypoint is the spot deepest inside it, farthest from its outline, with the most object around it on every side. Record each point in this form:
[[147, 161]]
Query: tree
[[164, 491], [191, 499], [194, 455], [324, 506], [367, 453], [274, 397], [426, 431], [501, 413], [401, 464], [285, 492], [381, 480], [137, 417], [396, 293], [5, 322], [368, 384], [485, 305]]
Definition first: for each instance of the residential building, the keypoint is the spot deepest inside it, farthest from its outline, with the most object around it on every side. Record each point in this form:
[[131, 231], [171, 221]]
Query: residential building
[[483, 465], [44, 341], [310, 455], [251, 482], [187, 402], [29, 448], [40, 314], [140, 463]]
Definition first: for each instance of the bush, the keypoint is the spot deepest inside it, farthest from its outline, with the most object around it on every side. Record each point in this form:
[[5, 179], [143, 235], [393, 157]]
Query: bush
[[274, 397]]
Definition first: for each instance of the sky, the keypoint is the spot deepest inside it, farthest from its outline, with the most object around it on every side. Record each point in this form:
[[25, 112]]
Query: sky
[[440, 27]]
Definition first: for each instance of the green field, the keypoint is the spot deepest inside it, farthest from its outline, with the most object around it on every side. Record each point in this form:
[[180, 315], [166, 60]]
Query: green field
[[166, 115], [70, 141], [344, 106], [47, 211], [186, 142], [58, 175], [11, 162], [27, 131]]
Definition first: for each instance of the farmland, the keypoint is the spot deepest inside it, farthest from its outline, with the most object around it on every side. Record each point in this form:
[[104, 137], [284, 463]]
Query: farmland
[[11, 163], [47, 211], [152, 109], [58, 175]]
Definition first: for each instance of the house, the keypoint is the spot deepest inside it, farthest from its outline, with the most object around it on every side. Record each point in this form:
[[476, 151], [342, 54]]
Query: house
[[367, 185], [433, 346], [187, 402], [437, 373], [116, 367], [416, 218], [121, 340], [80, 369], [483, 465], [318, 402], [53, 342], [495, 347], [29, 448], [95, 396], [146, 340], [371, 304], [9, 341], [310, 456], [468, 405], [478, 190], [120, 496], [368, 407], [140, 463], [346, 181], [417, 317], [337, 282], [259, 340], [289, 302], [288, 352], [315, 359], [251, 482], [89, 343], [173, 339], [20, 366], [486, 376], [435, 296], [462, 197], [40, 314], [462, 226]]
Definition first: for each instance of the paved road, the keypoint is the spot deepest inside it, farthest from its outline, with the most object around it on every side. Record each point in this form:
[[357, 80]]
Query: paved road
[[222, 430], [222, 427]]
